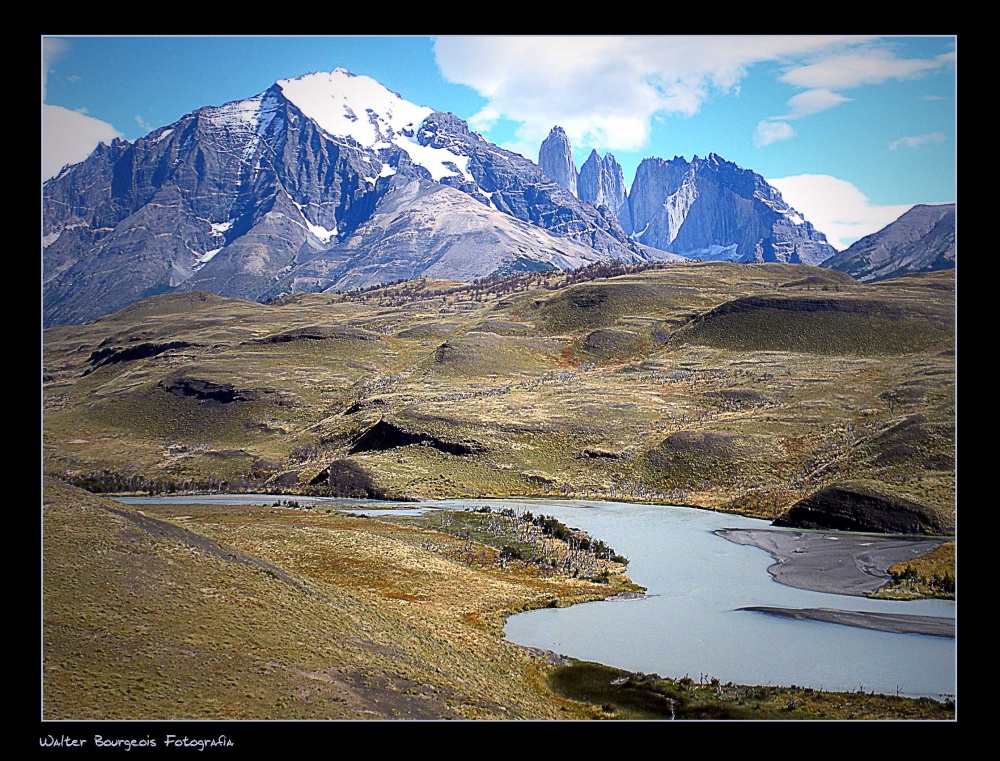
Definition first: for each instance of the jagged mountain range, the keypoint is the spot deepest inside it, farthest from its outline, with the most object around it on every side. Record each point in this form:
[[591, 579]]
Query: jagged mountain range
[[331, 182], [323, 182], [708, 208]]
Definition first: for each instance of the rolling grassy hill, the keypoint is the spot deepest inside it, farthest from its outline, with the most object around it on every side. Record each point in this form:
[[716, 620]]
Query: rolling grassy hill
[[735, 387], [746, 388]]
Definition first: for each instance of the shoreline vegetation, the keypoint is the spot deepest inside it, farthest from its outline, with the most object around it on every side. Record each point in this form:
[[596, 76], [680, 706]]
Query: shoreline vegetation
[[448, 579]]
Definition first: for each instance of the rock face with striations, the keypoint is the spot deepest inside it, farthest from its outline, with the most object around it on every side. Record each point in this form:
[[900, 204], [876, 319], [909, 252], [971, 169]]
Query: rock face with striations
[[555, 157], [714, 210], [921, 240], [602, 183], [323, 182]]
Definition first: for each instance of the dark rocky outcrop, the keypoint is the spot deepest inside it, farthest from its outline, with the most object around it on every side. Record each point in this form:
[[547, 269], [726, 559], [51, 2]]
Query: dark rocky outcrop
[[343, 478], [205, 390], [858, 507], [595, 453], [114, 355], [365, 404], [385, 435]]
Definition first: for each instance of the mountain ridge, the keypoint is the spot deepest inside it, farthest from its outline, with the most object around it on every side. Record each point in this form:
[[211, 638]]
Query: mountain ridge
[[235, 198], [330, 181], [921, 240]]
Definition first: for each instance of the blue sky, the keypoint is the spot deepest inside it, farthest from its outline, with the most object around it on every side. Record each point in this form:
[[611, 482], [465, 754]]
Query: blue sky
[[852, 130]]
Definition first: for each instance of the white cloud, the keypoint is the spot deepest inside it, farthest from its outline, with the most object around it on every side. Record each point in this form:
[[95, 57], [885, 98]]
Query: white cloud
[[143, 124], [836, 207], [853, 68], [772, 132], [69, 137], [605, 91], [812, 102], [917, 140]]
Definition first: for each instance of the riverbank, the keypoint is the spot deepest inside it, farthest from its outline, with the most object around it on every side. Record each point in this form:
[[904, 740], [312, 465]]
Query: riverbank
[[883, 622], [842, 564]]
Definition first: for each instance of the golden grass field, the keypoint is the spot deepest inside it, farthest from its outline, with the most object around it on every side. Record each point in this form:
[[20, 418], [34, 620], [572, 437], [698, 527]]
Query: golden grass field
[[741, 388]]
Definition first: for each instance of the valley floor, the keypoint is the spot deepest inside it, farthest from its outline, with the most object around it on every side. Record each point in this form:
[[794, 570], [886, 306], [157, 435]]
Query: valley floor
[[186, 612]]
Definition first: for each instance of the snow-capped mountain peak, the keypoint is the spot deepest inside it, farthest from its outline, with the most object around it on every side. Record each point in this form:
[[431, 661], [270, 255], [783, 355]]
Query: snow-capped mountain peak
[[326, 181], [347, 105]]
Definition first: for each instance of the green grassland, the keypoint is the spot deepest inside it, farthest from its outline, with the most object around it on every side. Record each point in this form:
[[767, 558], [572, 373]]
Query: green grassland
[[742, 388], [733, 387]]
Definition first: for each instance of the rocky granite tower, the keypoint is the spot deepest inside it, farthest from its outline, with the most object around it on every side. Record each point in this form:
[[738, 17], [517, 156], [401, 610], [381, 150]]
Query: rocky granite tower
[[714, 210], [555, 157], [602, 183]]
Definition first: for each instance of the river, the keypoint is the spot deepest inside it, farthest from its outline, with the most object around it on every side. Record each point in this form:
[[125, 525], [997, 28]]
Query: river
[[691, 622]]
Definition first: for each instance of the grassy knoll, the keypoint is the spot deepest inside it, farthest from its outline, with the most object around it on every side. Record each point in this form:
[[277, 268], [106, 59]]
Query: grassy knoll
[[214, 613], [743, 388]]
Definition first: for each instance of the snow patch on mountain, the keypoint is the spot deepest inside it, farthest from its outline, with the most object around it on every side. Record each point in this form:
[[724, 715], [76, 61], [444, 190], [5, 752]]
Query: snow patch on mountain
[[324, 234], [239, 114], [203, 259], [345, 105], [678, 205]]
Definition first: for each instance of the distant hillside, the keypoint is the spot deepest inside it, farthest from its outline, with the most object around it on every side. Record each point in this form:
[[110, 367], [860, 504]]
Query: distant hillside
[[742, 387], [922, 240]]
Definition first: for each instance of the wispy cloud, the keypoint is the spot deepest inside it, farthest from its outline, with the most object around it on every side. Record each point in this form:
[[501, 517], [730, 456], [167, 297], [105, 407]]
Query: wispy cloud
[[143, 124], [605, 91], [812, 102], [772, 132], [836, 207], [865, 66], [917, 140]]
